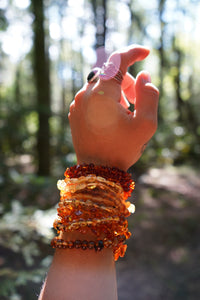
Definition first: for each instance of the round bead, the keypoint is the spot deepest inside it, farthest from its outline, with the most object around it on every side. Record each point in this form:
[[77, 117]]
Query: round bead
[[70, 245], [84, 245], [99, 245], [77, 244], [65, 245], [91, 245], [107, 243]]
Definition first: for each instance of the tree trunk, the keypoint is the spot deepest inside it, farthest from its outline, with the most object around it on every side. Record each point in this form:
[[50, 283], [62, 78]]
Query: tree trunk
[[161, 53], [180, 105], [186, 112], [99, 9], [41, 72]]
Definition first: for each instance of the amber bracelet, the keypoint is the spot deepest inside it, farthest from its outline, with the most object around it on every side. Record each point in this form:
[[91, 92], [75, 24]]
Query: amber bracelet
[[112, 174], [90, 182], [96, 185], [97, 245], [94, 198]]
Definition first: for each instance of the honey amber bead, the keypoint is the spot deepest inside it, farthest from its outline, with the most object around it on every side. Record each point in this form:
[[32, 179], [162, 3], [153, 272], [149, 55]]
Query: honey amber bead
[[107, 243], [91, 186], [116, 255], [59, 240], [121, 238], [77, 244], [99, 245], [84, 245], [112, 174], [122, 250], [91, 245], [59, 243], [61, 184], [70, 245], [127, 234], [115, 242], [132, 185], [65, 245], [75, 226]]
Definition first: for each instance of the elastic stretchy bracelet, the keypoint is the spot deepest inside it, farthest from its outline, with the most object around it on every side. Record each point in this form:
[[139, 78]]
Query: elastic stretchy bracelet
[[110, 173], [93, 198]]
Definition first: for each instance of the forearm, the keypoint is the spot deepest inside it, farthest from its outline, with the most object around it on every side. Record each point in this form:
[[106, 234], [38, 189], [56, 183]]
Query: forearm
[[81, 274], [77, 274]]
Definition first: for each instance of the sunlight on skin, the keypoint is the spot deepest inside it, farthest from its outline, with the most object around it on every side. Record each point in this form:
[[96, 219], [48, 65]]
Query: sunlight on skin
[[126, 132]]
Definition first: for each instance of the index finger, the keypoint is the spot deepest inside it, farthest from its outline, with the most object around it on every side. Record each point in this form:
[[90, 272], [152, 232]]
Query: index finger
[[122, 59], [131, 54], [115, 69]]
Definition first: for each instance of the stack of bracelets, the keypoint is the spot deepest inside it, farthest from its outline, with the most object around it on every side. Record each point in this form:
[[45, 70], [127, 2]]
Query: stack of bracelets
[[94, 198]]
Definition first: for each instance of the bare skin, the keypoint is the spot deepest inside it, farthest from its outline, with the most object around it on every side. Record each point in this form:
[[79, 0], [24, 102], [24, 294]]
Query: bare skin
[[104, 132]]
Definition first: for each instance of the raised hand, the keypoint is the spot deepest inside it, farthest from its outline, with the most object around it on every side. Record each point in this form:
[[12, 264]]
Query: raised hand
[[104, 130]]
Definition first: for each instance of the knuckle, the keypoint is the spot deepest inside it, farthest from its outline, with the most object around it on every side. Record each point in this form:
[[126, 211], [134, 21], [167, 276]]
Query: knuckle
[[72, 106], [79, 95]]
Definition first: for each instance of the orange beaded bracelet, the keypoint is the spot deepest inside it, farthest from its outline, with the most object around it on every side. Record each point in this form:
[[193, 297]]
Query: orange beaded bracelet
[[94, 198], [113, 174]]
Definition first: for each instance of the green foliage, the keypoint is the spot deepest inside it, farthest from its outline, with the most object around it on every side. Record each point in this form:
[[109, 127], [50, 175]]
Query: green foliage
[[25, 233]]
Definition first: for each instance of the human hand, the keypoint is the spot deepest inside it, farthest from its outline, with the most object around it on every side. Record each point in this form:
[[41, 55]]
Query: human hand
[[104, 130]]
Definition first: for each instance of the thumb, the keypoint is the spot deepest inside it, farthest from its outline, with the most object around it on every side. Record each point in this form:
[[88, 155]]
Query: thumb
[[147, 96]]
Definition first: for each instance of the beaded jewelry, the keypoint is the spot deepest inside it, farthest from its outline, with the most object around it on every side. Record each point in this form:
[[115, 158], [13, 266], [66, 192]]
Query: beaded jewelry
[[113, 174], [94, 198]]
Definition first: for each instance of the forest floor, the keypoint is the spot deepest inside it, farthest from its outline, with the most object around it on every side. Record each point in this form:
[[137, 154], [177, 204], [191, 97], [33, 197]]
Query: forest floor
[[162, 261], [163, 255]]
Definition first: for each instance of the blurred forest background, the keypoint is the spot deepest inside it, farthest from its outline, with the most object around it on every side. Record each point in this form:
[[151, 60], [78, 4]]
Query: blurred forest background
[[47, 48]]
